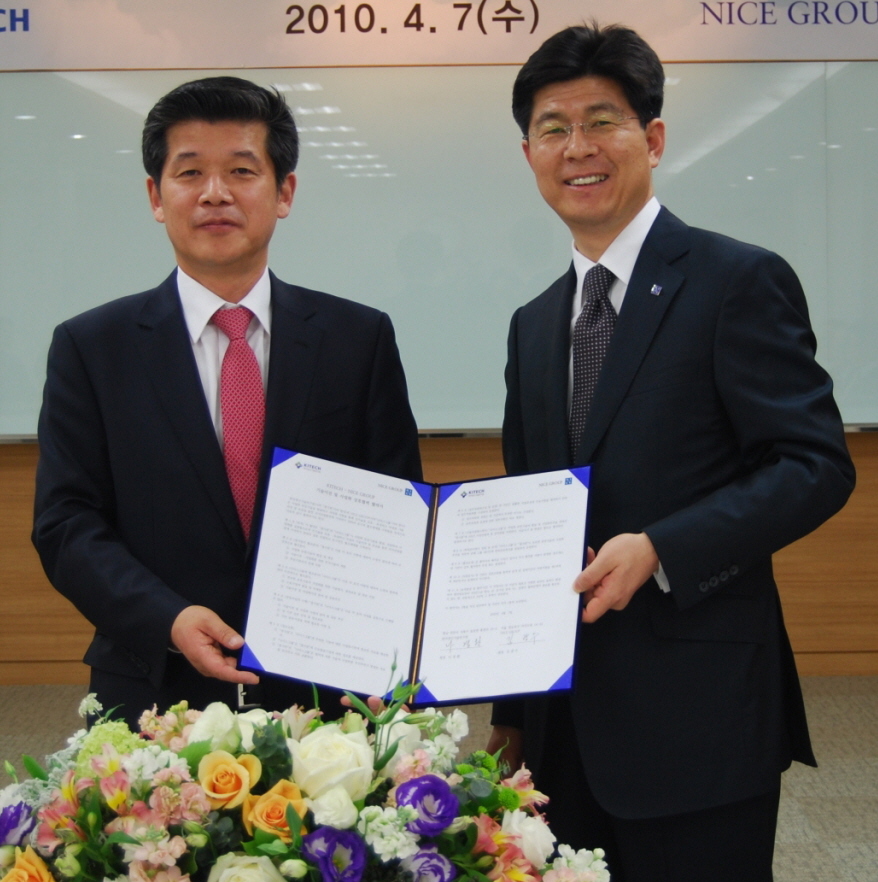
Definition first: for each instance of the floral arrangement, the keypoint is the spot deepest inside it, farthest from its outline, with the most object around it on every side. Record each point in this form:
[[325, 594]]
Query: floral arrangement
[[217, 796]]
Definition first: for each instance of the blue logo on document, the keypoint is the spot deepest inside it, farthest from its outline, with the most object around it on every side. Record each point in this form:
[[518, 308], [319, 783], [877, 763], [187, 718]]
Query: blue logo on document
[[568, 480], [408, 491]]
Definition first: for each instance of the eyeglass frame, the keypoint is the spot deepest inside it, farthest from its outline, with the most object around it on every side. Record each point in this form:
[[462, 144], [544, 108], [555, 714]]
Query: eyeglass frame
[[588, 127]]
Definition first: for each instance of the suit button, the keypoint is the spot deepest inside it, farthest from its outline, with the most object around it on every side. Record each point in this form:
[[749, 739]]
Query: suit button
[[733, 570], [703, 586], [714, 581], [724, 576]]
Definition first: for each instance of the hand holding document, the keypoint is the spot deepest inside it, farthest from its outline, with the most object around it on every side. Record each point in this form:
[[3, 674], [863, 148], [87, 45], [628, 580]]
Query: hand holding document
[[467, 586]]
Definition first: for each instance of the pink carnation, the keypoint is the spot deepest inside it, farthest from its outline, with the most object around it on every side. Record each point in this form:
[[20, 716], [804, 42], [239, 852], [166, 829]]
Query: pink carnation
[[414, 765]]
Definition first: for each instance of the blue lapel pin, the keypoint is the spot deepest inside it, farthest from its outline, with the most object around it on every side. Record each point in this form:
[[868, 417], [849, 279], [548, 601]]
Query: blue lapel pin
[[656, 290]]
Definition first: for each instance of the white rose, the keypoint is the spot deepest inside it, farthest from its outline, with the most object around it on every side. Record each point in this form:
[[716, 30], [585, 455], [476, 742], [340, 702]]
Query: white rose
[[534, 836], [217, 725], [244, 868], [328, 757], [334, 808], [250, 721]]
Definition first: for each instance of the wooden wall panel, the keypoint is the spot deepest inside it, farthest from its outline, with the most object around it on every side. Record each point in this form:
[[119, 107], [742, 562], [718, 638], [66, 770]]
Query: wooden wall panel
[[828, 580]]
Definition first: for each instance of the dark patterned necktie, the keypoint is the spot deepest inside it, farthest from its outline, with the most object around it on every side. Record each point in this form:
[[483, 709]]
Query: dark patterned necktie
[[242, 400], [591, 337]]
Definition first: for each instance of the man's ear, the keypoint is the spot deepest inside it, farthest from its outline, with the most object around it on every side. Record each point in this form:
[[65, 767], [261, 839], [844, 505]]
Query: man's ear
[[155, 200], [285, 195], [655, 140]]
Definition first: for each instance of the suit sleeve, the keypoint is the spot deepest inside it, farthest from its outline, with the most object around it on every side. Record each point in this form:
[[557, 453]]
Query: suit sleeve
[[792, 471], [75, 530]]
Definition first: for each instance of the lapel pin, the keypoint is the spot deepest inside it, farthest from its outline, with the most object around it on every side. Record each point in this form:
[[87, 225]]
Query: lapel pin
[[656, 290]]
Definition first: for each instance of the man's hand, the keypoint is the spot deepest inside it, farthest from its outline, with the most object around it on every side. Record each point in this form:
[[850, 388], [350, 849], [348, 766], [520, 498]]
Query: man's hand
[[201, 635], [511, 740], [612, 576]]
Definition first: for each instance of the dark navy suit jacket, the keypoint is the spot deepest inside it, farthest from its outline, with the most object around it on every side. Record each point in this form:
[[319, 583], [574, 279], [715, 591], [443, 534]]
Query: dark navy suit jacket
[[714, 430], [134, 516]]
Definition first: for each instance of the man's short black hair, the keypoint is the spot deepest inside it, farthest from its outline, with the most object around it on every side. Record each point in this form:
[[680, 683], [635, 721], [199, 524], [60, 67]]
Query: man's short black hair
[[614, 52], [222, 99]]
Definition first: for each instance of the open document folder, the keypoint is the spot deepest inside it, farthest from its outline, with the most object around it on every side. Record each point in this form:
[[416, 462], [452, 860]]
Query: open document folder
[[468, 586]]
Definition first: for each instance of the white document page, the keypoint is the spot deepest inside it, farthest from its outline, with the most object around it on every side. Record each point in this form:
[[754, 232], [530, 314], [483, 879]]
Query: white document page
[[502, 614], [336, 583]]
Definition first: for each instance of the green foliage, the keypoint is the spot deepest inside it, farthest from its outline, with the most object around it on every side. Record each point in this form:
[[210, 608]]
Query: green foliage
[[270, 746], [193, 754], [33, 768]]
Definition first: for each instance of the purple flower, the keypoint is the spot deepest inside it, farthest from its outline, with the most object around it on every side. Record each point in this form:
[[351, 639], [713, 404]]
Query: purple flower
[[340, 855], [430, 866], [432, 799], [16, 821]]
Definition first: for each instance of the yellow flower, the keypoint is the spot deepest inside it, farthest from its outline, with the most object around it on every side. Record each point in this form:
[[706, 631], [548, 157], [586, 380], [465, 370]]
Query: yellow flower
[[227, 780], [28, 867], [268, 812]]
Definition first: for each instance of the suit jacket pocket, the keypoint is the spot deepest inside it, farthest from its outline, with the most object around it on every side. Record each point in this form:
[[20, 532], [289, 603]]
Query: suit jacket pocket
[[724, 617]]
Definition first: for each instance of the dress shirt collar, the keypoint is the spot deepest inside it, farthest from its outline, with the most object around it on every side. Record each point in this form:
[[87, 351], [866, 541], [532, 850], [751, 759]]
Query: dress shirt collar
[[200, 303], [622, 254]]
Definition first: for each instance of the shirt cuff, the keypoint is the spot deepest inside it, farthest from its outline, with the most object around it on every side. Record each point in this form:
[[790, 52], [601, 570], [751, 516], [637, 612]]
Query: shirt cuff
[[662, 580]]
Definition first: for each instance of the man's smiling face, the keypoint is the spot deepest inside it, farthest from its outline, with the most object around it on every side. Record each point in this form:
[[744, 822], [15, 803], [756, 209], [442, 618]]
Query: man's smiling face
[[596, 181], [219, 198]]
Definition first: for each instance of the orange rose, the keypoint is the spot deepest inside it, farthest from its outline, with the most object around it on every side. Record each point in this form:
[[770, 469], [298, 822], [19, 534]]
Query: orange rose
[[28, 867], [268, 812], [227, 780]]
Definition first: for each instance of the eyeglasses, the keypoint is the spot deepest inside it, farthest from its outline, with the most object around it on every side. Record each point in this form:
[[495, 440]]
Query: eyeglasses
[[551, 133]]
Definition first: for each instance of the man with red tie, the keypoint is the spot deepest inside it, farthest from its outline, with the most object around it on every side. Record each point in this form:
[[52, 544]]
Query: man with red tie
[[160, 411]]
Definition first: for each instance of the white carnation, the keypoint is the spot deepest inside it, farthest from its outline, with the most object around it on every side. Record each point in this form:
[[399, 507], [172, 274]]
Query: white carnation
[[534, 836]]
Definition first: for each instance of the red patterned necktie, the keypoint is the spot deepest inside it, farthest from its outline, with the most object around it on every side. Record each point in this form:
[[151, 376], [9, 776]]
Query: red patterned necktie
[[591, 338], [242, 400]]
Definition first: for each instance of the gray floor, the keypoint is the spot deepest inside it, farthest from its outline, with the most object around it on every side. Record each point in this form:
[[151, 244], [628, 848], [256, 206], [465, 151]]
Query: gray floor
[[828, 827]]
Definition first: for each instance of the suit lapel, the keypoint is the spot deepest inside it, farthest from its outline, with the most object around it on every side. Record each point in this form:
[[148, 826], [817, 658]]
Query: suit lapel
[[167, 354], [557, 367], [654, 283], [295, 344]]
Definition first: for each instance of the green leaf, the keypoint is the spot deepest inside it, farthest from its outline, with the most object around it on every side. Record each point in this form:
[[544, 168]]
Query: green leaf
[[33, 768], [194, 753], [388, 754], [362, 707], [273, 848], [119, 836], [480, 788], [10, 771], [294, 822]]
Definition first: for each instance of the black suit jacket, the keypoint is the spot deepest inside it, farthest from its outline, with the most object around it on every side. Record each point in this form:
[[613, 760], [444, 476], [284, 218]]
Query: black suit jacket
[[134, 517], [714, 430]]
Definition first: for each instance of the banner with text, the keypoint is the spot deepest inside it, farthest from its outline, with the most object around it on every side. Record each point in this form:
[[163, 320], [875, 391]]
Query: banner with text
[[198, 34]]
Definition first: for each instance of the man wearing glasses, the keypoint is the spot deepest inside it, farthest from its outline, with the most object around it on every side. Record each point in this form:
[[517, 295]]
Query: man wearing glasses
[[681, 364]]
